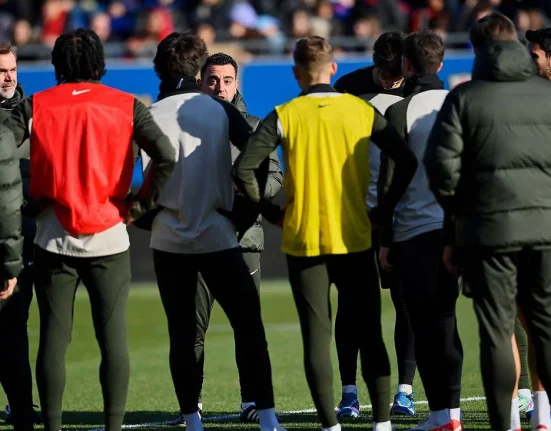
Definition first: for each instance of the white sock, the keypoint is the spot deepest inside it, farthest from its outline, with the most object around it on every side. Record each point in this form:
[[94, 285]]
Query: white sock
[[350, 388], [542, 411], [515, 415], [405, 388], [439, 417], [333, 428], [382, 426], [455, 414], [193, 422], [246, 405], [200, 406], [525, 393], [268, 418]]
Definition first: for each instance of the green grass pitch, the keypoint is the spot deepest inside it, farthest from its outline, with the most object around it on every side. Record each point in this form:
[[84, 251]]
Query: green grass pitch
[[151, 397]]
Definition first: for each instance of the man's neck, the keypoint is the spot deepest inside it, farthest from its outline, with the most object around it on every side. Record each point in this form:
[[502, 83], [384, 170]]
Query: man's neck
[[387, 84], [310, 83]]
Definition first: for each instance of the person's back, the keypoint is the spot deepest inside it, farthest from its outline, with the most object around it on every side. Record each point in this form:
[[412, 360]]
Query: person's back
[[68, 165], [201, 183], [418, 211], [192, 233], [488, 161], [505, 180], [325, 138], [331, 191]]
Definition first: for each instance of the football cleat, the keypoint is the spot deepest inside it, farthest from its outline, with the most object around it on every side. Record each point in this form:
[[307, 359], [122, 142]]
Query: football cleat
[[404, 404], [349, 406]]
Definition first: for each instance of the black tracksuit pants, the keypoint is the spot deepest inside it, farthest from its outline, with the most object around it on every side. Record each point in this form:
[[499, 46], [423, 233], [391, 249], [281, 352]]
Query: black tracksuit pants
[[347, 339], [431, 297], [204, 303], [231, 284], [355, 276], [15, 368], [107, 280], [497, 282]]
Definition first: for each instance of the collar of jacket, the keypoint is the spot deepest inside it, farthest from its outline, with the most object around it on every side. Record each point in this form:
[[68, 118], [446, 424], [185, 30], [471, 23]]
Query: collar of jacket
[[319, 88], [504, 61], [239, 102], [177, 84], [422, 82], [9, 104]]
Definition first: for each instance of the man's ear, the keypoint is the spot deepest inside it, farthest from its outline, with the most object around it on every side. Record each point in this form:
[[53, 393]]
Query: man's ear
[[236, 83], [440, 67], [334, 69]]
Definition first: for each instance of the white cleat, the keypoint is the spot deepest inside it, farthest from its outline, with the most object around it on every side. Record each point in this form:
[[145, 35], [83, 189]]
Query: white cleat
[[424, 425]]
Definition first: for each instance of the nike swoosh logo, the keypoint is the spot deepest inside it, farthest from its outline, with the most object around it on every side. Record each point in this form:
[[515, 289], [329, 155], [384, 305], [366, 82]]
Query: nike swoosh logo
[[323, 106], [254, 272], [76, 93]]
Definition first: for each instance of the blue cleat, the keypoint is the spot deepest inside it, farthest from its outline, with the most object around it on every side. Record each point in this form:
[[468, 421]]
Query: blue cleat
[[349, 406], [404, 404]]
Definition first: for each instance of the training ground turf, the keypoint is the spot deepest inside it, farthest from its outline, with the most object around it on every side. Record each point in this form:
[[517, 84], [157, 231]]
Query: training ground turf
[[151, 398]]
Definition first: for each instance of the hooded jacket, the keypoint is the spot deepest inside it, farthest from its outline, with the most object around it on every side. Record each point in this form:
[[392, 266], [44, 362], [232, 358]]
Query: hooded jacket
[[23, 152], [11, 198], [488, 158], [253, 238]]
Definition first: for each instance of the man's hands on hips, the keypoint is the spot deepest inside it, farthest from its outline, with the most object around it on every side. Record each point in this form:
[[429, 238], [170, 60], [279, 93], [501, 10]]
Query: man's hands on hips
[[9, 286]]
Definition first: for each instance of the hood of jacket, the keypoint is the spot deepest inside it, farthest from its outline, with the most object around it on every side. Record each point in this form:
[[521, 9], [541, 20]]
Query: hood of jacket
[[504, 61], [9, 104]]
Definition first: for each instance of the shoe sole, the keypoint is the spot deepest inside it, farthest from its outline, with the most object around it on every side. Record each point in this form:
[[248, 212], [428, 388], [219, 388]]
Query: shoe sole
[[401, 412], [348, 416]]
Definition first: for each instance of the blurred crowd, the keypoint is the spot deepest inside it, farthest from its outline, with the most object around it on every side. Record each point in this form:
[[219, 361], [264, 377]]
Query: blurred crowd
[[261, 26]]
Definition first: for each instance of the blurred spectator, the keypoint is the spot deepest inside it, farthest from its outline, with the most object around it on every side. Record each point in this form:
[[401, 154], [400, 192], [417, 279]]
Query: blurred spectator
[[22, 33], [367, 27], [101, 25], [323, 22], [300, 24], [158, 25], [54, 17]]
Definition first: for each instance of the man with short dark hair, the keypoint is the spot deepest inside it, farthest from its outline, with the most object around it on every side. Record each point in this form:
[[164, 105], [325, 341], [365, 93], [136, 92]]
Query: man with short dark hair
[[326, 137], [15, 313], [382, 85], [192, 233], [82, 159], [219, 79], [415, 237], [487, 162], [539, 45]]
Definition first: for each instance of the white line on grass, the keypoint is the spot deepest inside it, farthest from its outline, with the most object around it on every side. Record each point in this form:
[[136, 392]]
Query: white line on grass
[[220, 418]]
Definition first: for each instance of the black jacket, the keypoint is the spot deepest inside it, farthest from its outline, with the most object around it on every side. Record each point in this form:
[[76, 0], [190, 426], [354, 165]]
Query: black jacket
[[489, 155], [397, 115], [253, 238], [11, 199], [23, 153]]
